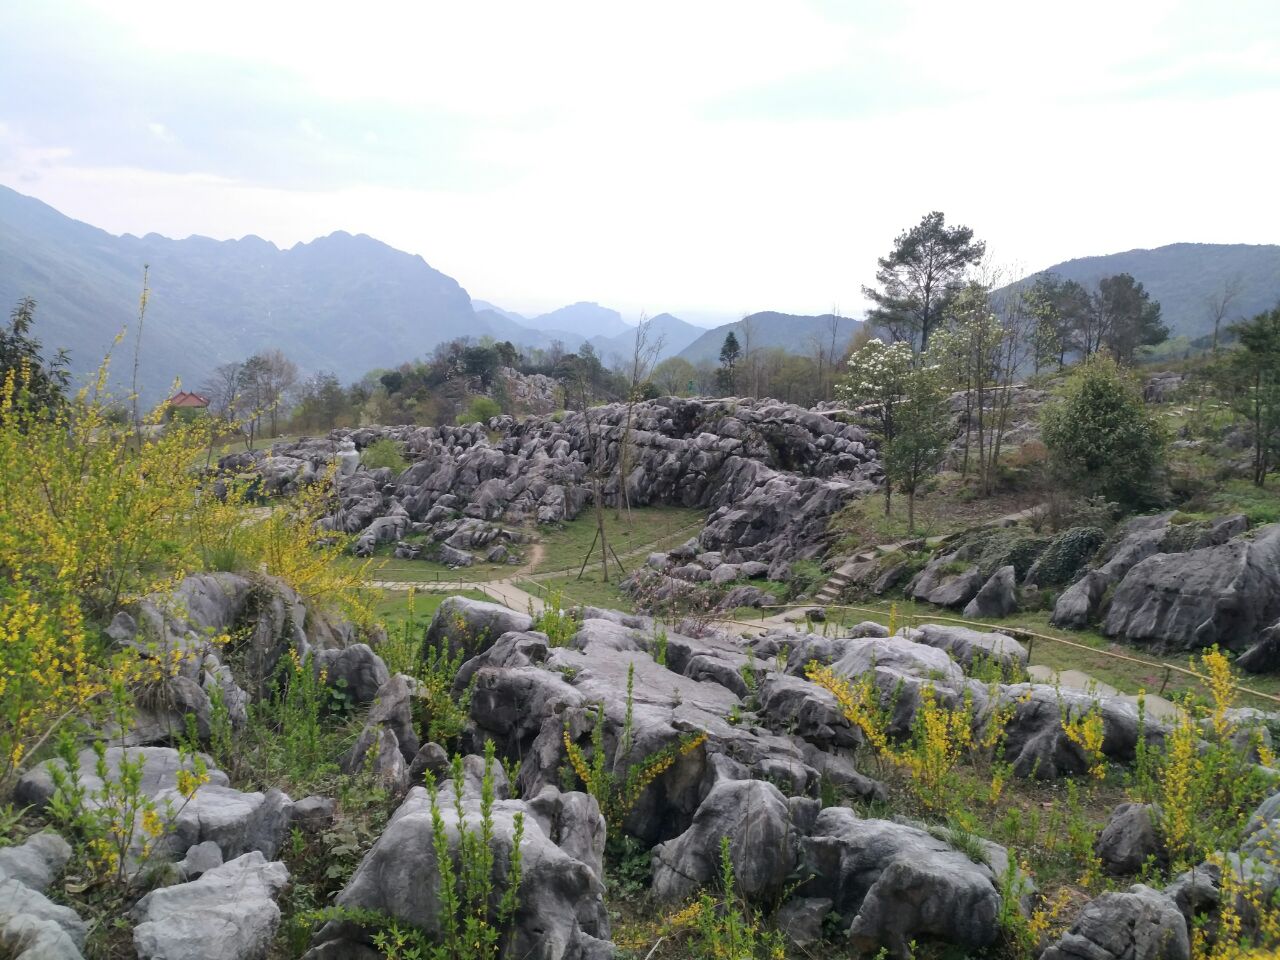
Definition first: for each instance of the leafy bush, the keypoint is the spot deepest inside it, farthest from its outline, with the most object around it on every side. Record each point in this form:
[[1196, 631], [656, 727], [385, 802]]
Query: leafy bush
[[1066, 555], [94, 516], [480, 411], [1101, 436], [384, 452]]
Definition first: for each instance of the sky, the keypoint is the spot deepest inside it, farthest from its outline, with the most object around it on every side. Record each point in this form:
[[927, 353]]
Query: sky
[[707, 158]]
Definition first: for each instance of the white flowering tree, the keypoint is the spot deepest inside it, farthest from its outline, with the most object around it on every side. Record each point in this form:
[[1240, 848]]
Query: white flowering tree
[[878, 377]]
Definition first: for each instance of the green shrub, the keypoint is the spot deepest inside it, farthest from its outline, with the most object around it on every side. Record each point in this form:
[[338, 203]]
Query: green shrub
[[1066, 555], [384, 453], [1101, 437], [480, 411]]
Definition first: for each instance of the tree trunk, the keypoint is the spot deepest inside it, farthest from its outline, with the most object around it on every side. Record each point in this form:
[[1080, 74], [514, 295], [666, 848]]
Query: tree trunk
[[911, 512], [604, 544]]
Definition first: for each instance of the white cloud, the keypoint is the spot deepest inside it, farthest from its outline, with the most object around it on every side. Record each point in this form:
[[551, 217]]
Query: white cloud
[[601, 168]]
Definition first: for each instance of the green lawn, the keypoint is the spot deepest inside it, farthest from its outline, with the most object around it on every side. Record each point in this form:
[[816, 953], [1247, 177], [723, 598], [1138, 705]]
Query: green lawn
[[649, 529], [394, 606], [589, 590], [556, 548], [384, 566]]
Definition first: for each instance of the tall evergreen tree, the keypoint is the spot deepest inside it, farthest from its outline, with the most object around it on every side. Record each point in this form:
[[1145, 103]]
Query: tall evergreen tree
[[1127, 317], [1251, 375], [919, 276], [730, 351]]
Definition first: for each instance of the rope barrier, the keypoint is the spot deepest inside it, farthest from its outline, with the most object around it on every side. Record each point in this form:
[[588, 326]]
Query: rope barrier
[[1024, 632]]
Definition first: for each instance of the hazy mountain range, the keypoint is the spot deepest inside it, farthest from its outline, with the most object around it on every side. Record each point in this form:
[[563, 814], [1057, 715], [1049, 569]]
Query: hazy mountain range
[[1185, 276], [352, 304]]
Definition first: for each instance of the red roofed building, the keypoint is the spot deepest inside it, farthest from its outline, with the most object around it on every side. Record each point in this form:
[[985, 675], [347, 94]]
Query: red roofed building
[[185, 400]]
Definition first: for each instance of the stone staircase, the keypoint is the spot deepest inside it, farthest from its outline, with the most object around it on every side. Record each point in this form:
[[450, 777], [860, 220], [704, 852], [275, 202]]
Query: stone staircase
[[830, 591]]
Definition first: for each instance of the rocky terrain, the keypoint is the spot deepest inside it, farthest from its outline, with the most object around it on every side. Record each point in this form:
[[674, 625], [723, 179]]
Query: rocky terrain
[[752, 750], [770, 475]]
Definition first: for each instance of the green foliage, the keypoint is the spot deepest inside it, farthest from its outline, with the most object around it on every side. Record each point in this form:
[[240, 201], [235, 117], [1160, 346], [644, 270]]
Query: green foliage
[[659, 644], [441, 714], [117, 823], [43, 382], [474, 916], [1066, 554], [725, 927], [480, 410], [384, 452], [616, 794], [555, 621], [1101, 437], [1125, 317], [922, 429], [919, 276], [1249, 377]]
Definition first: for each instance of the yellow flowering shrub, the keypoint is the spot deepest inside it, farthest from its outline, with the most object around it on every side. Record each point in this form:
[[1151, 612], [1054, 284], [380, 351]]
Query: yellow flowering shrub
[[1086, 731], [94, 515]]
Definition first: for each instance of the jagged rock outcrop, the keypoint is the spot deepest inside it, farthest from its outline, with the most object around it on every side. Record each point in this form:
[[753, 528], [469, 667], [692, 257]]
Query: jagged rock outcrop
[[756, 819], [32, 927], [998, 597], [237, 821], [893, 883], [1129, 839], [770, 474]]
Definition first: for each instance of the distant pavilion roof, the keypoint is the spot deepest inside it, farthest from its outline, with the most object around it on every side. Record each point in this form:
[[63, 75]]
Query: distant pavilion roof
[[183, 399]]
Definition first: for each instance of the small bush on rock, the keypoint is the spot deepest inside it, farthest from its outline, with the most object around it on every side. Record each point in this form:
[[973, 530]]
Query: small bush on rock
[[384, 452]]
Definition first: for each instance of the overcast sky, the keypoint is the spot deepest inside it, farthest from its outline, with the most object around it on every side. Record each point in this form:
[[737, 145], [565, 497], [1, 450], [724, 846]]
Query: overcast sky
[[703, 158]]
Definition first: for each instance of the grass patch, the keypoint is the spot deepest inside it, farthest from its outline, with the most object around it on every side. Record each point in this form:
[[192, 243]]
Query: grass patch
[[950, 506], [650, 529], [396, 606], [589, 590]]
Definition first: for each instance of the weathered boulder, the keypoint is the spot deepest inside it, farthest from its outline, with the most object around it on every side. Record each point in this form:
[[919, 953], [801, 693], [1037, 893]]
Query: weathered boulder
[[997, 598], [528, 696], [471, 626], [756, 819], [229, 913], [36, 863], [1129, 839], [941, 584], [1037, 745], [355, 670], [377, 752], [32, 927], [160, 766], [895, 883], [1225, 594], [900, 653], [236, 821], [200, 859], [1140, 924], [806, 710], [561, 914], [800, 919], [968, 645]]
